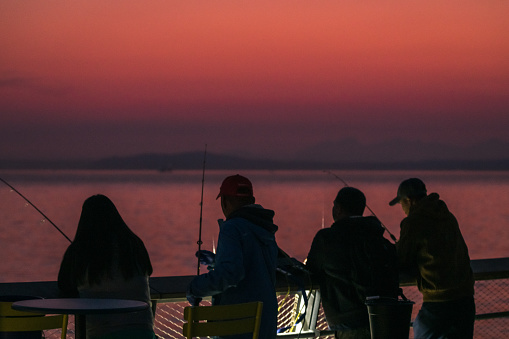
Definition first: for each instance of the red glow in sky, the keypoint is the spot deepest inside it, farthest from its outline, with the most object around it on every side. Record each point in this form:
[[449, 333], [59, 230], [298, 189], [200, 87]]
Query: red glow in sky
[[160, 76]]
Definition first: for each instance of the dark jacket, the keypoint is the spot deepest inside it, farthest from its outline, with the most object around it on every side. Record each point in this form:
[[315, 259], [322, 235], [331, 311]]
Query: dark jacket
[[333, 261], [245, 265], [432, 249]]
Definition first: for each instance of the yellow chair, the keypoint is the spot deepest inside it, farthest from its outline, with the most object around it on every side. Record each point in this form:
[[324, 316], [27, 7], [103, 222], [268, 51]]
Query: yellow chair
[[18, 321], [222, 320]]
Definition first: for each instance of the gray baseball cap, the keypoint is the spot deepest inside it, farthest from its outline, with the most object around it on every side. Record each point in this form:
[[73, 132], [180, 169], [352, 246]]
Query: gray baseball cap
[[409, 188]]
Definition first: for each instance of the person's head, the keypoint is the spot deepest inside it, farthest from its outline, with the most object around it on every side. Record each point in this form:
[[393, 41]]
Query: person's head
[[99, 218], [235, 191], [103, 240], [349, 202], [410, 191]]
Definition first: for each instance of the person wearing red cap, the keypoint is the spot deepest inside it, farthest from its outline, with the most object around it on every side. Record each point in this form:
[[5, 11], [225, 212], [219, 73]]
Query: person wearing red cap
[[432, 249], [244, 267]]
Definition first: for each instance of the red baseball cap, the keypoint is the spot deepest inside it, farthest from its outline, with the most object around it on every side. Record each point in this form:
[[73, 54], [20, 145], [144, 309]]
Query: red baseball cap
[[236, 186]]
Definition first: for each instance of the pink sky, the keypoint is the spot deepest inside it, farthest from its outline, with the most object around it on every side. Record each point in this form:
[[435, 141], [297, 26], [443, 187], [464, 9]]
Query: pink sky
[[97, 78]]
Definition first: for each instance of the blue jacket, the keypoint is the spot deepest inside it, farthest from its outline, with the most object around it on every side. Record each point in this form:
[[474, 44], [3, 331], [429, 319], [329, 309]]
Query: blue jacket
[[245, 265]]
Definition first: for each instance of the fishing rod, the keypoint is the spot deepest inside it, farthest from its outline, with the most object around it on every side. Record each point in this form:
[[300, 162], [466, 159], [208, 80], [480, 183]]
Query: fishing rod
[[199, 242], [346, 184], [38, 210]]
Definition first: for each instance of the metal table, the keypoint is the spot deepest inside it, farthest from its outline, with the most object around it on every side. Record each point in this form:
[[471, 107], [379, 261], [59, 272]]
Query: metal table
[[79, 307]]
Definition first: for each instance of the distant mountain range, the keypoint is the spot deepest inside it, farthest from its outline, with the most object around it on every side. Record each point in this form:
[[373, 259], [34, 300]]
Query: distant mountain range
[[403, 150], [344, 154]]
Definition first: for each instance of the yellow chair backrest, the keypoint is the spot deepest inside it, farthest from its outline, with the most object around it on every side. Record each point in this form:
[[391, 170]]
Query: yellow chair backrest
[[222, 320], [19, 321]]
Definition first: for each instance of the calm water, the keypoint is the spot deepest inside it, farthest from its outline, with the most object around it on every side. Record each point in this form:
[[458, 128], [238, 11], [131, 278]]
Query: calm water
[[164, 210]]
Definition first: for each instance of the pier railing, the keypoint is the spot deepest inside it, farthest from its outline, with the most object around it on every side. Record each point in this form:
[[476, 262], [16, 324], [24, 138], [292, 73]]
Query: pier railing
[[168, 297]]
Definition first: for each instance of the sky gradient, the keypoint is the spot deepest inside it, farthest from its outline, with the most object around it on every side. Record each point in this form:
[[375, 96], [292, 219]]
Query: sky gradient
[[88, 79]]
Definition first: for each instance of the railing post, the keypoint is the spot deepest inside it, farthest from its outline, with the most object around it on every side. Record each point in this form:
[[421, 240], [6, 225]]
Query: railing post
[[314, 308]]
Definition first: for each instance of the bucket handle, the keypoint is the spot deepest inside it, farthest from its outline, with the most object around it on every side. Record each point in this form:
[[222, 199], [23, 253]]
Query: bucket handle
[[400, 293]]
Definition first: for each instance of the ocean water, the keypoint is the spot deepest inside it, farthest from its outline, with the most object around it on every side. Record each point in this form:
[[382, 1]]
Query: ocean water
[[163, 208]]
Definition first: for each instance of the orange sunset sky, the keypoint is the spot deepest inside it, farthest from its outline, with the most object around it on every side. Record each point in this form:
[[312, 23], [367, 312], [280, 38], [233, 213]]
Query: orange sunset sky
[[94, 78]]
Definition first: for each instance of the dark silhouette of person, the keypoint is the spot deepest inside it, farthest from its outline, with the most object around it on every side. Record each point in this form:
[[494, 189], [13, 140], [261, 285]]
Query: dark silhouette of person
[[431, 249], [107, 260], [351, 261], [244, 267]]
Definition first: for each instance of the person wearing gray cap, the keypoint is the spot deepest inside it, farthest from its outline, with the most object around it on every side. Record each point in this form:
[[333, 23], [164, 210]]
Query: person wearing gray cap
[[432, 249]]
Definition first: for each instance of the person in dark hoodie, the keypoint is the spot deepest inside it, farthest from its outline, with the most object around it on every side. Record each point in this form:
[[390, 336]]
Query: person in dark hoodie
[[432, 249], [244, 266], [351, 261]]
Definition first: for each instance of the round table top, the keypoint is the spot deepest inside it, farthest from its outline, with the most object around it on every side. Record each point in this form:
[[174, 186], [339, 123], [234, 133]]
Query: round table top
[[79, 306]]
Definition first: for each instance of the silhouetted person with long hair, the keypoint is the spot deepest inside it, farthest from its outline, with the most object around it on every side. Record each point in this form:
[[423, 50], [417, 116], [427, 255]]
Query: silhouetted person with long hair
[[107, 260]]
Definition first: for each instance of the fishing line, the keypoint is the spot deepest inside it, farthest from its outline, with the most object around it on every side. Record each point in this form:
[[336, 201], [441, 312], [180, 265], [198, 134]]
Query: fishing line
[[38, 210], [373, 213], [199, 242]]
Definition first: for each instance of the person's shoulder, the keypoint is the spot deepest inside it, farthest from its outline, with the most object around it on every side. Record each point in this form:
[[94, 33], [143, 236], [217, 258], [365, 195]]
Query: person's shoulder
[[71, 250], [411, 219], [234, 225], [325, 233], [418, 222], [232, 222]]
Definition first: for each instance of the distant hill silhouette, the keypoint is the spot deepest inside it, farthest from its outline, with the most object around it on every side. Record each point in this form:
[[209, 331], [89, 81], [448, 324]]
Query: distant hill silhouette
[[405, 150], [343, 154], [194, 160]]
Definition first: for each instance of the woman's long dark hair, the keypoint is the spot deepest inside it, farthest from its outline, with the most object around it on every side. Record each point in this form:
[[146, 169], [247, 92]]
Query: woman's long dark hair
[[102, 238]]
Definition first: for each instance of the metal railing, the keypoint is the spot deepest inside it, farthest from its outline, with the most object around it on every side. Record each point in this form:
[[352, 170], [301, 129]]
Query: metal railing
[[168, 295]]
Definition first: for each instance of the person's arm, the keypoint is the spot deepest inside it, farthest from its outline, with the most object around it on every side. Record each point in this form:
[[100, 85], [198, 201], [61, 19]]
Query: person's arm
[[229, 265], [67, 275], [145, 259], [407, 248], [314, 260]]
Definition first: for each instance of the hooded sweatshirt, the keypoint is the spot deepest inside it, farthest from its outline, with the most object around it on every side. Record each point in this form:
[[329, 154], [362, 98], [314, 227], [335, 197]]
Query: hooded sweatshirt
[[432, 249], [333, 260], [245, 265]]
